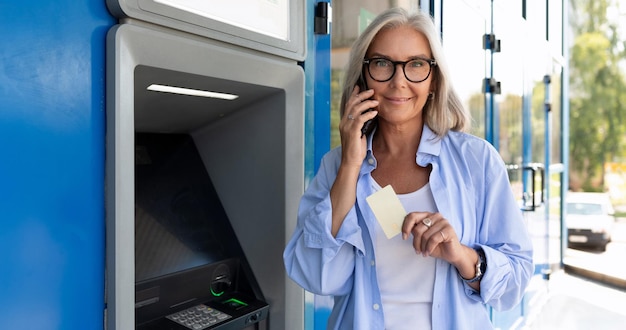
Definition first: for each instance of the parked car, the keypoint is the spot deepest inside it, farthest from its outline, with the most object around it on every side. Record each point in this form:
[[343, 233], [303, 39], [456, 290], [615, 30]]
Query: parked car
[[590, 218]]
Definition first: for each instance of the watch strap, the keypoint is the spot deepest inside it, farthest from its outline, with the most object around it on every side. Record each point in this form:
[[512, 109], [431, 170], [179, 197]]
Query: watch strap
[[481, 267]]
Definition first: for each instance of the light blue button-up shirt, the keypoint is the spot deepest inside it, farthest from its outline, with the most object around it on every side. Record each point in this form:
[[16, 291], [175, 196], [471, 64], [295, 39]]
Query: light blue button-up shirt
[[471, 189]]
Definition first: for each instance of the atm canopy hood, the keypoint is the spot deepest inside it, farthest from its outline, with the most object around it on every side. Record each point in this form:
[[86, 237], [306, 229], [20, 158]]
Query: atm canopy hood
[[272, 26]]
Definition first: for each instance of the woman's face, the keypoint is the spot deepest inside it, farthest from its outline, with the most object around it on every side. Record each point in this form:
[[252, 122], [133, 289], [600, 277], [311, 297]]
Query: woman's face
[[400, 100]]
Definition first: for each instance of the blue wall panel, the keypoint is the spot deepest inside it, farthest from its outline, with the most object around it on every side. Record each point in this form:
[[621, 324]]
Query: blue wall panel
[[52, 163], [317, 132]]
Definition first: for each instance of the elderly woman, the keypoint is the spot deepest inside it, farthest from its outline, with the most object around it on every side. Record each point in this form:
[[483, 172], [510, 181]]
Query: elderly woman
[[462, 244]]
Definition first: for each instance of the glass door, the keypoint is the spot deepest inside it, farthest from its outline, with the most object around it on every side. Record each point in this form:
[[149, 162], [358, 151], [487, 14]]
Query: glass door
[[528, 133], [506, 105]]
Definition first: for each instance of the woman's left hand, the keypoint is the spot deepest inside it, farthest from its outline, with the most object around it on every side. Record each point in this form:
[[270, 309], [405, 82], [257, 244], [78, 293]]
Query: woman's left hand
[[433, 236]]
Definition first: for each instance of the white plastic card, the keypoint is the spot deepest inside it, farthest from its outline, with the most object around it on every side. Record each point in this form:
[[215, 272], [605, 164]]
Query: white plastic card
[[388, 210]]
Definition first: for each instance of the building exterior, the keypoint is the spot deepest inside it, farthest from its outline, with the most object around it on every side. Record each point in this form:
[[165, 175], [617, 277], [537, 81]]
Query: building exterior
[[66, 234]]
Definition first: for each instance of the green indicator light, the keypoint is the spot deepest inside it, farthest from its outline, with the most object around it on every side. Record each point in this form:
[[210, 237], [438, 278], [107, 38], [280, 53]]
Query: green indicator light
[[216, 294], [235, 302]]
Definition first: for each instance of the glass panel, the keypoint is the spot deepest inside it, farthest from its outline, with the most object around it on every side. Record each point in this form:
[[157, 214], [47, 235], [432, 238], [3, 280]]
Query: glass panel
[[540, 65], [508, 68], [555, 26], [537, 121], [554, 219], [466, 57], [555, 100], [520, 68], [536, 16]]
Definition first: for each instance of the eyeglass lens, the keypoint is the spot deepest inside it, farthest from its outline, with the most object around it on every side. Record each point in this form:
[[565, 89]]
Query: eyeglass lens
[[416, 70]]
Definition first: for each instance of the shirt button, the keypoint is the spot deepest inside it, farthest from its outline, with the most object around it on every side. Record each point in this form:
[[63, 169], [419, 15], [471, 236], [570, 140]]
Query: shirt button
[[373, 263], [376, 307], [370, 161]]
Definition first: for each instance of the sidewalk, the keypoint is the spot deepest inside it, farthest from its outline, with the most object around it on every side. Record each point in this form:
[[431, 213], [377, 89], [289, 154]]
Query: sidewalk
[[601, 268], [575, 302]]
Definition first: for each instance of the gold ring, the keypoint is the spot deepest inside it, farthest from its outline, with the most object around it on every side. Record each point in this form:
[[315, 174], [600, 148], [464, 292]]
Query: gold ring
[[427, 222]]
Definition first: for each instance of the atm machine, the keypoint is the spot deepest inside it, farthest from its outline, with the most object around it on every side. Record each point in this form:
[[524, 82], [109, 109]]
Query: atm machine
[[204, 169]]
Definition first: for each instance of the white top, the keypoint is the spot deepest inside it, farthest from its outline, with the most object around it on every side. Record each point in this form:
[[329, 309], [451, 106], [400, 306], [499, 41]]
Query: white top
[[406, 279]]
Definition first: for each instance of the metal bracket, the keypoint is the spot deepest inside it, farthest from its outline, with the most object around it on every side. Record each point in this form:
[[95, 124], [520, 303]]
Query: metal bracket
[[490, 85], [547, 79], [547, 106], [490, 42], [323, 18]]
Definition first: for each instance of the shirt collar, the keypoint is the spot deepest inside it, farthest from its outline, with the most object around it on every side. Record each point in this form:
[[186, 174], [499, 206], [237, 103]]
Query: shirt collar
[[430, 143], [430, 146]]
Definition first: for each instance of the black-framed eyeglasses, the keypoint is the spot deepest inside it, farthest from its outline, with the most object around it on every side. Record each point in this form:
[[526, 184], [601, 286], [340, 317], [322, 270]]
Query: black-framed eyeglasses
[[415, 70]]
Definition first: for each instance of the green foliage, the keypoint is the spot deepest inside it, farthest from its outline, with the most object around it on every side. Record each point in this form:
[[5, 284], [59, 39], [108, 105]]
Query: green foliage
[[597, 103], [511, 129]]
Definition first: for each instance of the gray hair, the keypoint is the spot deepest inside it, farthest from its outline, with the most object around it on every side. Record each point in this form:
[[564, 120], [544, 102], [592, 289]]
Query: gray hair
[[444, 111]]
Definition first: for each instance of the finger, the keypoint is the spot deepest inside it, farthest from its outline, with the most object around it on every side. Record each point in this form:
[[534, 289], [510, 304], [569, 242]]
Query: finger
[[431, 240], [410, 220], [421, 235], [425, 228], [368, 114], [436, 223], [418, 237], [443, 233], [361, 112], [360, 97], [444, 238]]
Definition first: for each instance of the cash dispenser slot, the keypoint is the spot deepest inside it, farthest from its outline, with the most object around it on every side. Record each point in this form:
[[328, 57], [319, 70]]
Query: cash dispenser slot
[[190, 270]]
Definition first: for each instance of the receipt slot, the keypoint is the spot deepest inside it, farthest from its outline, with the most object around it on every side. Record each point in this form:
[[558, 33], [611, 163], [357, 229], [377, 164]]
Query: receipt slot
[[202, 192]]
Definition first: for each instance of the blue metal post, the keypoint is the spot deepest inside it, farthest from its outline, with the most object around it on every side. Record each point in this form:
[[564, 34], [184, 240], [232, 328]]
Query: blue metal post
[[546, 181]]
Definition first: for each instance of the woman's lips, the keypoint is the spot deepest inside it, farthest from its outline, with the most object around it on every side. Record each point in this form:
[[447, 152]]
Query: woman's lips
[[398, 99]]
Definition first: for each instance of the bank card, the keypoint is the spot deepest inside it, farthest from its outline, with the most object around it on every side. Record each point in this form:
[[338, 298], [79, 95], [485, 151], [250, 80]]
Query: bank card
[[388, 210]]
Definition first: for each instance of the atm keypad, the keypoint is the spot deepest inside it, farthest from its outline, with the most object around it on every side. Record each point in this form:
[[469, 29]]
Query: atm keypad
[[198, 317]]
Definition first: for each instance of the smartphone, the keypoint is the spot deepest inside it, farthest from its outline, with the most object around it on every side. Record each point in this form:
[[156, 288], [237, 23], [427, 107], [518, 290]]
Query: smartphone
[[368, 125]]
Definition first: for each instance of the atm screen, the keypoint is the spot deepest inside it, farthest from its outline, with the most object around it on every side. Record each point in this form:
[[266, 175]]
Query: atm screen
[[179, 220]]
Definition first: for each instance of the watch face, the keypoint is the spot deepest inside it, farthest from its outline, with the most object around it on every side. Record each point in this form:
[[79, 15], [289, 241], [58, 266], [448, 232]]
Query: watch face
[[481, 267]]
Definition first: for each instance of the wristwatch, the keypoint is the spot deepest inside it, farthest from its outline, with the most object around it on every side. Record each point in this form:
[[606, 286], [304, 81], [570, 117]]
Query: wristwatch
[[481, 267]]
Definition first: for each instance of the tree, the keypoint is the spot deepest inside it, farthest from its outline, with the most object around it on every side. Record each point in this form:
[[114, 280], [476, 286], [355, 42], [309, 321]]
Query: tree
[[597, 102]]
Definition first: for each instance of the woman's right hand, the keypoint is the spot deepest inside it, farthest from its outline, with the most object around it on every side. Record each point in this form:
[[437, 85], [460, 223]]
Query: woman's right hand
[[353, 144], [353, 150]]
